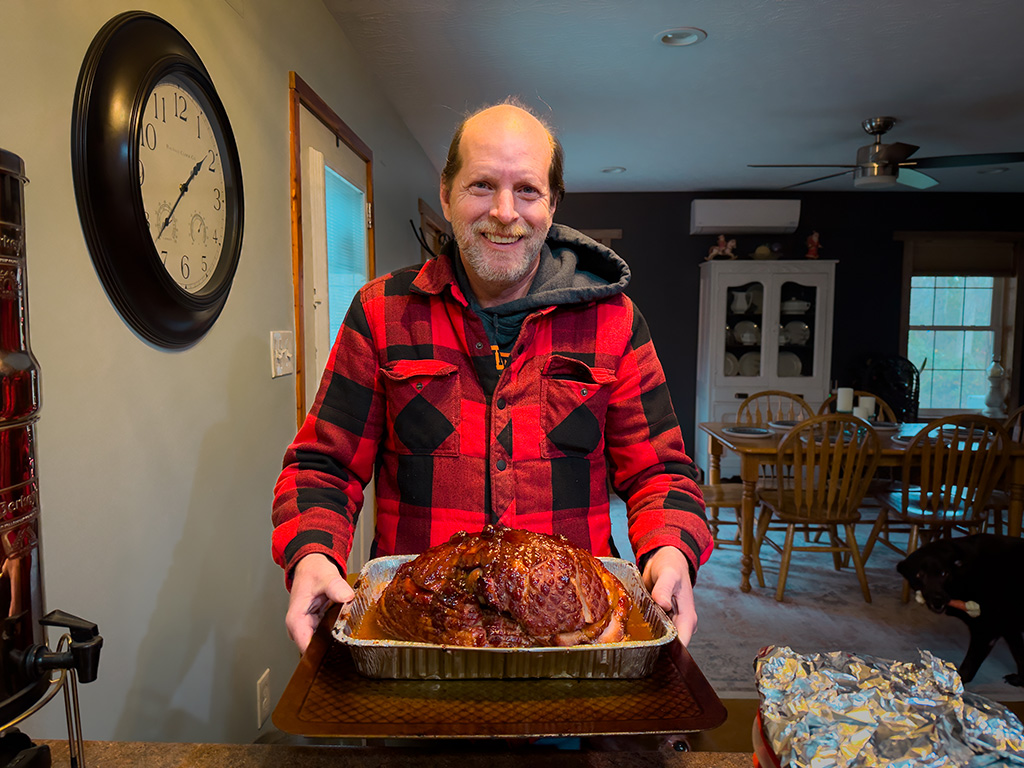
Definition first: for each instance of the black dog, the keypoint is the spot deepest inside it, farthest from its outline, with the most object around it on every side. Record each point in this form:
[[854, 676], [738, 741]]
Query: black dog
[[980, 580]]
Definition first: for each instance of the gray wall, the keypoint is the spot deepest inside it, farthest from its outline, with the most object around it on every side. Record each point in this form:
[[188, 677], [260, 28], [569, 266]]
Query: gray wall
[[156, 468]]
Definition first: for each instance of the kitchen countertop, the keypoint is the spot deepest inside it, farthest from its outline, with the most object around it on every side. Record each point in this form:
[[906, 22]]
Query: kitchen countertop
[[118, 754]]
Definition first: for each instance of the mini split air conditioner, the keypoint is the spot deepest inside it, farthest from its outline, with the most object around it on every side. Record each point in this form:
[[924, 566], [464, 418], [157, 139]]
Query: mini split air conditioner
[[741, 217]]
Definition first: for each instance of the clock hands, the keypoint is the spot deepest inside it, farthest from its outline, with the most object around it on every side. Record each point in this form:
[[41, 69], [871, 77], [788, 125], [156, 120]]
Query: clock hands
[[181, 194]]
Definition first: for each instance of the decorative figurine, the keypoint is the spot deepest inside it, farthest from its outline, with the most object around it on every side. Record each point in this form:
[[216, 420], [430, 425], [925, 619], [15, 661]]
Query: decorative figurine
[[722, 248], [813, 245]]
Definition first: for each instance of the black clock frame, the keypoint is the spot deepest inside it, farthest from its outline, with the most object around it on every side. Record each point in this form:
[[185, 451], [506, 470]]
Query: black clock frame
[[128, 56]]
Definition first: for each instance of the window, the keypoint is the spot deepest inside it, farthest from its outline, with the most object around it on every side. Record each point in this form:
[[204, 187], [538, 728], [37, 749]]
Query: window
[[954, 321], [960, 310], [346, 246]]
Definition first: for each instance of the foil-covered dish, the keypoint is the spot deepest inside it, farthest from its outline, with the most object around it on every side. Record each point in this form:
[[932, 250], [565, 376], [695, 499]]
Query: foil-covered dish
[[849, 711], [398, 659]]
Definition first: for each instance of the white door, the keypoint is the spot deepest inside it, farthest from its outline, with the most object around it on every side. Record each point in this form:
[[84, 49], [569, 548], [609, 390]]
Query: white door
[[336, 255]]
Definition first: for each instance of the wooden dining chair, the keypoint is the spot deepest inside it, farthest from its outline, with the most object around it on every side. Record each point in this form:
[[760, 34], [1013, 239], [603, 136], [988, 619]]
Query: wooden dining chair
[[883, 412], [884, 480], [757, 409], [948, 473], [999, 502], [719, 496], [762, 408], [828, 462]]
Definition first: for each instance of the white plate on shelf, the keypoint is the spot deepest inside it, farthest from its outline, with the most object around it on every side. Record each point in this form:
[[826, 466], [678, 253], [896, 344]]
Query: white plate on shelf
[[798, 332], [747, 431], [732, 365], [750, 364], [747, 333], [789, 364]]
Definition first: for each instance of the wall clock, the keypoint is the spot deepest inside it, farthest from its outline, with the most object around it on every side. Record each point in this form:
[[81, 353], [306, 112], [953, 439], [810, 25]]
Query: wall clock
[[157, 179]]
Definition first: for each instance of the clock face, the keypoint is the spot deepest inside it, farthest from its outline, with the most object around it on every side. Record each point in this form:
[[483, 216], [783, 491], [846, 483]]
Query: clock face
[[181, 179]]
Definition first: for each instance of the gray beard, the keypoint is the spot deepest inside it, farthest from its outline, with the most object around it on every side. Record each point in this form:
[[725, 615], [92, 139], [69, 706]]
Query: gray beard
[[494, 268]]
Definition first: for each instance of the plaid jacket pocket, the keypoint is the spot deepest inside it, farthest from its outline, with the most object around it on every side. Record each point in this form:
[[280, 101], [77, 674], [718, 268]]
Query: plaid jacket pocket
[[574, 402], [424, 404]]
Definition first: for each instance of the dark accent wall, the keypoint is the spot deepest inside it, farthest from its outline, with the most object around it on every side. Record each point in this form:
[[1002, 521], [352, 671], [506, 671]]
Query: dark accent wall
[[856, 229]]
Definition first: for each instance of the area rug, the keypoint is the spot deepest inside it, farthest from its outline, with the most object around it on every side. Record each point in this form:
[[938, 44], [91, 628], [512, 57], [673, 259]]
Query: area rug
[[823, 610]]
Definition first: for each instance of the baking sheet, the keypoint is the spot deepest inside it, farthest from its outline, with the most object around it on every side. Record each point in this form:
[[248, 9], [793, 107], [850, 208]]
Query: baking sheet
[[402, 659], [328, 698]]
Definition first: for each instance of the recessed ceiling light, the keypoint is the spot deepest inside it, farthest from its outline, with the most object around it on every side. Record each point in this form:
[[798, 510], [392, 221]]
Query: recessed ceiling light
[[1000, 169], [681, 36], [614, 169]]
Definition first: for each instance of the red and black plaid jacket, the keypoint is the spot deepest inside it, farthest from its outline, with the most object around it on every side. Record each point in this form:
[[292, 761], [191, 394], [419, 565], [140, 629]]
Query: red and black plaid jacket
[[582, 396]]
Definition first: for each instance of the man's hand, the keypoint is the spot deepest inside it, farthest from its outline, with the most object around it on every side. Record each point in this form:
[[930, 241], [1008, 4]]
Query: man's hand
[[667, 576], [316, 583]]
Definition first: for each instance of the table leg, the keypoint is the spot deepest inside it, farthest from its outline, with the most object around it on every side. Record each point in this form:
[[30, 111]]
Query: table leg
[[714, 461], [748, 474]]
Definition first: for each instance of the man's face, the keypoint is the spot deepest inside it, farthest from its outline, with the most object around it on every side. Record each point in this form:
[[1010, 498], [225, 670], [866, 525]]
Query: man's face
[[500, 202]]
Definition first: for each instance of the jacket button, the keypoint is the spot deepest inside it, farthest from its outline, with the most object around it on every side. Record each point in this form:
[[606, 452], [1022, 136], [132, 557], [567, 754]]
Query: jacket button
[[501, 403], [479, 345], [501, 465], [583, 392]]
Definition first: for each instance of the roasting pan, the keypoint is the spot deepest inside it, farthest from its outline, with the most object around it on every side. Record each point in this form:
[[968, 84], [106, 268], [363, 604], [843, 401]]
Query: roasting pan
[[406, 660], [327, 697]]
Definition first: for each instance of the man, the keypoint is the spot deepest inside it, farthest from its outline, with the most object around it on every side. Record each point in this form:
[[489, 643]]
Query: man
[[520, 323]]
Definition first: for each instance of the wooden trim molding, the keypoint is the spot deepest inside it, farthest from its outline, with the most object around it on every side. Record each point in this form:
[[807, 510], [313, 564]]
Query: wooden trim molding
[[301, 95]]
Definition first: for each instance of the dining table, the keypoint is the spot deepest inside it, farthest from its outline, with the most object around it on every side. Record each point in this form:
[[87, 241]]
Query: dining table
[[760, 449]]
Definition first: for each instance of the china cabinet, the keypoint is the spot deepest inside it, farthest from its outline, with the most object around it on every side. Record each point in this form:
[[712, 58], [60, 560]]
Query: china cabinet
[[763, 325]]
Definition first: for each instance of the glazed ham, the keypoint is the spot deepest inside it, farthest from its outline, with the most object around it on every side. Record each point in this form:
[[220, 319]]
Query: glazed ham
[[505, 588]]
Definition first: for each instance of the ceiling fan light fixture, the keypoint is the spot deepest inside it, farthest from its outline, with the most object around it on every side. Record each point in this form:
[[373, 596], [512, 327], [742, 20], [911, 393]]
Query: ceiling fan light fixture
[[681, 36], [614, 169], [874, 176]]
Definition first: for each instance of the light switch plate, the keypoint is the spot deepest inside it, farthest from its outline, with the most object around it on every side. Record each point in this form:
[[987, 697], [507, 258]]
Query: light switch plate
[[282, 353], [263, 698]]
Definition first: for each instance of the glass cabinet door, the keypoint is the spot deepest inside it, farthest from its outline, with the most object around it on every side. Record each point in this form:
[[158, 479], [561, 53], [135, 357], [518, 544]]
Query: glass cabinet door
[[798, 305], [744, 324]]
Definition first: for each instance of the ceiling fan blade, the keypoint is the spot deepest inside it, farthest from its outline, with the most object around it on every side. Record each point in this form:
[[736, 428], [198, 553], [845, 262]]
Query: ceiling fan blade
[[959, 161], [911, 178], [896, 152], [800, 165], [820, 178]]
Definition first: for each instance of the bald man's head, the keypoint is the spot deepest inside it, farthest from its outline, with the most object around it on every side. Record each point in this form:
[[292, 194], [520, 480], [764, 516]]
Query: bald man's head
[[504, 111]]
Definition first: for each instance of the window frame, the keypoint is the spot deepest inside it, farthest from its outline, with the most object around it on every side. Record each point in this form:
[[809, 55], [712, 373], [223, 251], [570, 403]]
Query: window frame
[[991, 254]]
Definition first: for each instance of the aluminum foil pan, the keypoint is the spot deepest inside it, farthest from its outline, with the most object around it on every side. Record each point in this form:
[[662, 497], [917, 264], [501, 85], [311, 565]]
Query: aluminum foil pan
[[839, 709], [394, 659]]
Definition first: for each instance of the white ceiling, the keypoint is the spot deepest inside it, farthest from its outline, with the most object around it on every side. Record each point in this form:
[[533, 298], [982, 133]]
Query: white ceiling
[[776, 81]]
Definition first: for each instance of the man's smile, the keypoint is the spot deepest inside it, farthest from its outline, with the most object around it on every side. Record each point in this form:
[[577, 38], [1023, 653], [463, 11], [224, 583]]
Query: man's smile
[[502, 240]]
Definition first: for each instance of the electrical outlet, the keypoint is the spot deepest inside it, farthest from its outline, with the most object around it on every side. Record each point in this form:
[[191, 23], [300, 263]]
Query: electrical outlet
[[263, 699], [282, 358]]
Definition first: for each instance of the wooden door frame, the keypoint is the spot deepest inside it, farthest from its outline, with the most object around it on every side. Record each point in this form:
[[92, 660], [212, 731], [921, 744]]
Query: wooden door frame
[[301, 95]]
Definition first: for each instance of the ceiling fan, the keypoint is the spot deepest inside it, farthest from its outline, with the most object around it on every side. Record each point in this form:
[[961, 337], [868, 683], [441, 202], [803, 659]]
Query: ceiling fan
[[884, 165]]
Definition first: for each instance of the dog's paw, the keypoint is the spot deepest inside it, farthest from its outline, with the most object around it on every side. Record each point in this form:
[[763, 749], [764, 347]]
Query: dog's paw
[[1015, 679]]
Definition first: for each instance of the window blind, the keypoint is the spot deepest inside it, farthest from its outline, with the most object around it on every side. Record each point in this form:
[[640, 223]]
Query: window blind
[[346, 246]]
